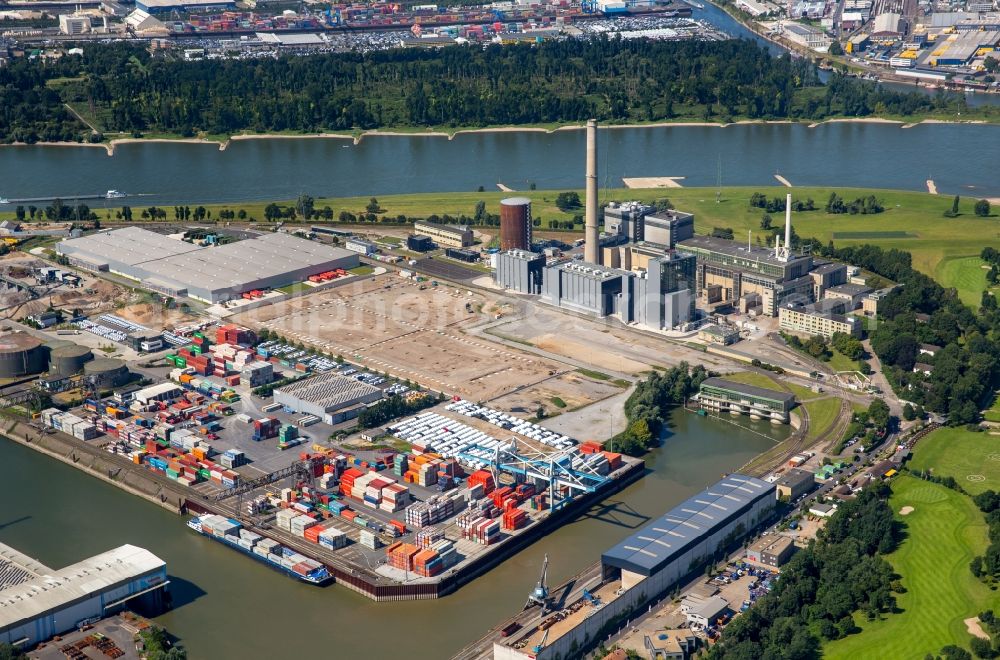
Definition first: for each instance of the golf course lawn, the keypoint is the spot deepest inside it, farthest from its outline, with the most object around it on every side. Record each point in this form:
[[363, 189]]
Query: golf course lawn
[[944, 531], [972, 459], [966, 274]]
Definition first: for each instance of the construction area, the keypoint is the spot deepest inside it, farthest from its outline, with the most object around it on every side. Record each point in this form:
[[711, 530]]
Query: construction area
[[410, 329]]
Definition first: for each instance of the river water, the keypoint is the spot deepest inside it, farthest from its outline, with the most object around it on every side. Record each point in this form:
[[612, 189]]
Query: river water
[[229, 606], [961, 158]]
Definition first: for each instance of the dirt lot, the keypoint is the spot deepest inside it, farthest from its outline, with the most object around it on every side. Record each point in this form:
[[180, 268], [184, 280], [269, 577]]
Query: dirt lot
[[154, 316], [390, 324], [602, 346], [93, 296], [573, 389]]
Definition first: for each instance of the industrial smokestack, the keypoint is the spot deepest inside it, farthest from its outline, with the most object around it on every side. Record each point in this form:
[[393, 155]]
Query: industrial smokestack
[[788, 224], [591, 249]]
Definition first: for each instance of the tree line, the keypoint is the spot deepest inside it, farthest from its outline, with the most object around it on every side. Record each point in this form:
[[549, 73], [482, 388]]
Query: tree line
[[921, 311], [123, 88], [822, 586]]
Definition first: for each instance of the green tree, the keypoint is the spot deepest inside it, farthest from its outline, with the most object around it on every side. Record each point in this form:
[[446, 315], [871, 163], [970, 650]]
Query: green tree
[[953, 211], [567, 201], [982, 208], [836, 49], [373, 206], [765, 222], [909, 414]]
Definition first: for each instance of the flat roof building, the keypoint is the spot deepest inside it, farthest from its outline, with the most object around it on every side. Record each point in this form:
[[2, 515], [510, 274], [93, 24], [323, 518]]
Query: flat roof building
[[664, 550], [738, 398], [325, 394], [795, 483], [211, 274], [584, 287], [719, 334], [852, 294], [458, 236], [772, 550], [824, 318], [166, 6], [37, 603]]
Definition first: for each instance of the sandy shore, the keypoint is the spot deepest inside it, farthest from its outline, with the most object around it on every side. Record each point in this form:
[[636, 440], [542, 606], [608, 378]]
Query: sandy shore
[[110, 146]]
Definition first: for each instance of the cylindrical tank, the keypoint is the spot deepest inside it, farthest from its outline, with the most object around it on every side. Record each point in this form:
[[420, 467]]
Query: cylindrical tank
[[22, 354], [107, 372], [515, 223], [69, 360]]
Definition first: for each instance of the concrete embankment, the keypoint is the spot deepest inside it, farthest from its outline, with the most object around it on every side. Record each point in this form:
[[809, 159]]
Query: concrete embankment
[[109, 468]]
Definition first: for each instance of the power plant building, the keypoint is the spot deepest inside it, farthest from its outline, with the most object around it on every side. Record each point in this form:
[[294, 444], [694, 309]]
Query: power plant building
[[520, 271], [626, 220], [663, 294], [741, 269], [738, 398], [210, 274], [38, 603], [584, 287], [668, 228], [664, 551], [515, 223]]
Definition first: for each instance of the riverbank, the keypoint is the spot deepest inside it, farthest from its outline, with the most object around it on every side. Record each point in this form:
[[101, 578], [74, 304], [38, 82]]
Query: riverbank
[[223, 143]]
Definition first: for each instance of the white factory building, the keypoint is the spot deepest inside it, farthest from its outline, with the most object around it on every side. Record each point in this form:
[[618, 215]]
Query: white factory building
[[211, 274], [326, 395], [37, 602]]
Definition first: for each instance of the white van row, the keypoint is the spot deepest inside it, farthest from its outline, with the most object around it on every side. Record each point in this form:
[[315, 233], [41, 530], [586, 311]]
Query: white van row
[[512, 423], [431, 432]]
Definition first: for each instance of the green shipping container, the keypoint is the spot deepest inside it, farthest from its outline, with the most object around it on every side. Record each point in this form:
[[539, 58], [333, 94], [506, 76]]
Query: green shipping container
[[180, 362], [206, 474]]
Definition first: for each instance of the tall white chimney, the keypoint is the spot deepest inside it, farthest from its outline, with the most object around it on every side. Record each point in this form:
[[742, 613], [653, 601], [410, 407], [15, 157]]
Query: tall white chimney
[[591, 248], [788, 225]]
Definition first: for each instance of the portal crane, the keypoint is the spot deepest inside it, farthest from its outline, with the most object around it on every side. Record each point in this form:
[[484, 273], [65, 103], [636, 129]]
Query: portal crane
[[540, 594]]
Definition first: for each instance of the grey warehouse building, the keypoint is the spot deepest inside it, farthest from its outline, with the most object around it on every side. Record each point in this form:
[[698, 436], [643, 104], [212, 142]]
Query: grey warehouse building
[[520, 270], [209, 274], [664, 551], [326, 394]]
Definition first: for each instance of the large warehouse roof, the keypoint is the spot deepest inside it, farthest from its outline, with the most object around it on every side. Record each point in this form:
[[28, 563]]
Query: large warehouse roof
[[233, 264], [653, 547], [108, 569], [208, 273], [330, 391], [130, 245]]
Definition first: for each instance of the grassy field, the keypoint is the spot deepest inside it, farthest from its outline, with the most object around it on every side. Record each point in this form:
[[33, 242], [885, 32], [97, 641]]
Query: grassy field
[[993, 414], [973, 459], [755, 379], [965, 274], [944, 532], [822, 415]]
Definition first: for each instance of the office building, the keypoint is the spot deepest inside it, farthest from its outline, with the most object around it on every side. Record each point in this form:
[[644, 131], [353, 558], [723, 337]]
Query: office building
[[823, 318], [360, 246], [827, 275], [771, 550], [852, 294], [458, 236], [795, 483]]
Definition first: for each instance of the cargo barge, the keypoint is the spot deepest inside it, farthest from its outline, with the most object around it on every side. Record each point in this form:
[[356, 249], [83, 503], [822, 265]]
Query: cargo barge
[[260, 548]]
